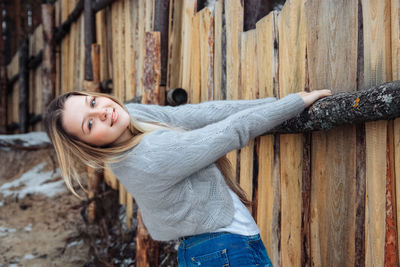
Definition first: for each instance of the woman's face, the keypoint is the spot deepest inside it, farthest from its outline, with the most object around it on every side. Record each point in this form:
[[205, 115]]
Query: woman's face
[[95, 120]]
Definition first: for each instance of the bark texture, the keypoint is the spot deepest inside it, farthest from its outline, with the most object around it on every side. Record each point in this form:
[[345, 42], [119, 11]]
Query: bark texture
[[381, 102]]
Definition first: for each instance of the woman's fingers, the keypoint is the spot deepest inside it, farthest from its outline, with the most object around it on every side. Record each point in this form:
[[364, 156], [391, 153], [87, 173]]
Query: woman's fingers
[[311, 97]]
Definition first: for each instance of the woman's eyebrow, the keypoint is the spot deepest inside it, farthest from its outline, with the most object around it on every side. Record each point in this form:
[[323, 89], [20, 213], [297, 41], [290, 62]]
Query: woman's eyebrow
[[85, 102]]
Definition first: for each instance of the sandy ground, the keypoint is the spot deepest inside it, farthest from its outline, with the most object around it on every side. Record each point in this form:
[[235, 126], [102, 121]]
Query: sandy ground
[[41, 222], [41, 231]]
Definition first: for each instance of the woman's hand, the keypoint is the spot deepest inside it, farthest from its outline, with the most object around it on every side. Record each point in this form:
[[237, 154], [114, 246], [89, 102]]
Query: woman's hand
[[311, 97]]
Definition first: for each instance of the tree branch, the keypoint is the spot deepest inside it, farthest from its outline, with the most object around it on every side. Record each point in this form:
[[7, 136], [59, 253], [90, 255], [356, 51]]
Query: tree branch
[[381, 102]]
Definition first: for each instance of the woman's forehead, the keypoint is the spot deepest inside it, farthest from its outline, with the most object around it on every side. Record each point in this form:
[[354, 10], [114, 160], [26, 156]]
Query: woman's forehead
[[72, 113]]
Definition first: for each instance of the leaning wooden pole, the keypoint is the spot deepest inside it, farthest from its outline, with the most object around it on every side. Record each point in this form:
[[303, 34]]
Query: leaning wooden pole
[[381, 102], [147, 250], [49, 59], [23, 81]]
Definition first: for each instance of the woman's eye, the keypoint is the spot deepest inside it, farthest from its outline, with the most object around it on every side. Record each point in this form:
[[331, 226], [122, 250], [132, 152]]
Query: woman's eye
[[93, 102], [90, 124]]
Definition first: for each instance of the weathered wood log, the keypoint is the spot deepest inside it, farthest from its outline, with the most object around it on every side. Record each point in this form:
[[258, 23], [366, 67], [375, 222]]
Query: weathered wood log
[[35, 61], [380, 102], [65, 27], [152, 69], [176, 97], [23, 81], [49, 58], [147, 250]]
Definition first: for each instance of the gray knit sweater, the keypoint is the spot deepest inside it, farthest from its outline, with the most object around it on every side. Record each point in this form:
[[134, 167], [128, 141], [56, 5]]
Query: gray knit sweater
[[172, 174]]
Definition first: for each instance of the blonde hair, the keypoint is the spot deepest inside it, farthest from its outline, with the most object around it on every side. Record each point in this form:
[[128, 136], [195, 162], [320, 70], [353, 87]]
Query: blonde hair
[[70, 149]]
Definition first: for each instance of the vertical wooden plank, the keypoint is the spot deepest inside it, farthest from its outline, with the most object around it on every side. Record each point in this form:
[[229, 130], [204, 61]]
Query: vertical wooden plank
[[79, 55], [174, 44], [135, 35], [48, 80], [195, 66], [395, 44], [129, 54], [114, 38], [23, 86], [377, 69], [58, 48], [147, 249], [206, 55], [72, 50], [122, 194], [101, 38], [64, 48], [332, 44], [291, 149], [32, 79], [219, 51], [292, 55], [179, 39], [234, 27], [141, 46], [110, 179], [129, 210], [122, 55], [187, 19], [13, 99], [37, 87], [268, 207], [249, 90]]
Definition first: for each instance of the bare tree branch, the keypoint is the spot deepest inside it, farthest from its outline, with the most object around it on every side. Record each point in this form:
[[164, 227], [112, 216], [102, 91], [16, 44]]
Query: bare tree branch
[[381, 102]]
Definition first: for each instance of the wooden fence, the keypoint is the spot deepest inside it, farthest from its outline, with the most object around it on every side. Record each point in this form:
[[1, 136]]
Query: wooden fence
[[321, 199]]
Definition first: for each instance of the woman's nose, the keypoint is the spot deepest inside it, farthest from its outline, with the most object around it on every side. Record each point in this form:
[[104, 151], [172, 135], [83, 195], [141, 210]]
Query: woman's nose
[[101, 113]]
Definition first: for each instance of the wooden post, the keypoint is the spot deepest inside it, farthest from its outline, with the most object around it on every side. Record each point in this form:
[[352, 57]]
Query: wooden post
[[23, 86], [91, 83], [146, 248], [94, 178], [90, 37], [49, 59], [3, 78], [161, 16]]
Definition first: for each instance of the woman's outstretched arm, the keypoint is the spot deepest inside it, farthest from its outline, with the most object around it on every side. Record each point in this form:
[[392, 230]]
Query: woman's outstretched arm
[[193, 116], [166, 157]]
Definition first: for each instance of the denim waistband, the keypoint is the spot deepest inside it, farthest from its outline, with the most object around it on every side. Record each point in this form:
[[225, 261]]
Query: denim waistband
[[189, 241]]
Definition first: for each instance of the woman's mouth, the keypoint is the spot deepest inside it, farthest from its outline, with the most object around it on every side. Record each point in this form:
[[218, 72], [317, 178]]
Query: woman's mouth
[[114, 117]]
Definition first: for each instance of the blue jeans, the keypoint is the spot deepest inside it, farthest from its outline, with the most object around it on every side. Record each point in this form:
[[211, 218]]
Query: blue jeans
[[222, 249]]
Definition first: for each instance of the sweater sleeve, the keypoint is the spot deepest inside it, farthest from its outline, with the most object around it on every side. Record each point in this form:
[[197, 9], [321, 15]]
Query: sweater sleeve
[[193, 116], [169, 156]]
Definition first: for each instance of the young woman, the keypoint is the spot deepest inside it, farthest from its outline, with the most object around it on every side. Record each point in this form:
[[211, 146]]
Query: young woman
[[172, 161]]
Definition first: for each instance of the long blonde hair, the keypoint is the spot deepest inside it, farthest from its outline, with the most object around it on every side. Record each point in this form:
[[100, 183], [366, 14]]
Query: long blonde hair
[[71, 150]]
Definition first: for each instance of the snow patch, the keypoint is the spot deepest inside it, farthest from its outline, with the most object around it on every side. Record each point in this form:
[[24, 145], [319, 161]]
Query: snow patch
[[28, 228], [35, 181], [25, 140], [29, 257], [74, 243], [4, 231]]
